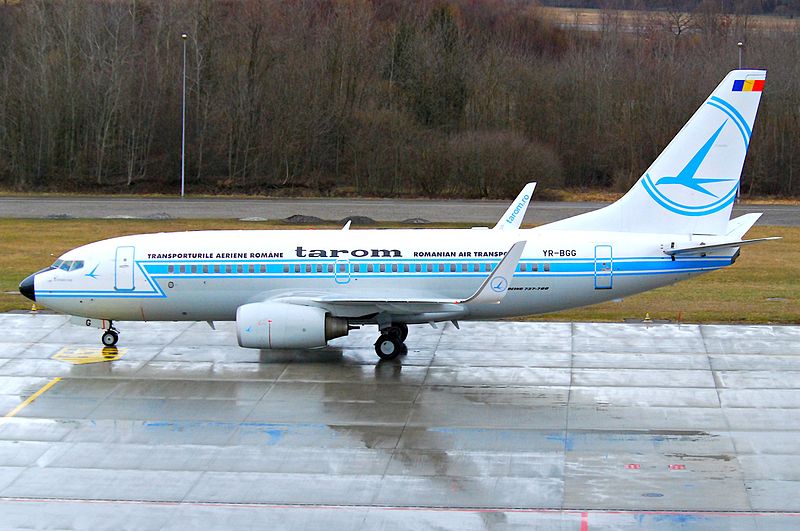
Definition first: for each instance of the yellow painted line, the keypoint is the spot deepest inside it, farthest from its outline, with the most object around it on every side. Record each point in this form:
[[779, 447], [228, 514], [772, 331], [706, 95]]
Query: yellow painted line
[[43, 389]]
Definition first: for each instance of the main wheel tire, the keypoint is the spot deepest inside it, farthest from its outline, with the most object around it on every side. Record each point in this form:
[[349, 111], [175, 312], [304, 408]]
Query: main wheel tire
[[403, 349], [400, 330], [110, 338], [388, 347], [403, 331]]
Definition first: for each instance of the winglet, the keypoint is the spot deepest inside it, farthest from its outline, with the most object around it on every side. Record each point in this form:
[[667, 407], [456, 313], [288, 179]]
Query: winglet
[[495, 286], [512, 218]]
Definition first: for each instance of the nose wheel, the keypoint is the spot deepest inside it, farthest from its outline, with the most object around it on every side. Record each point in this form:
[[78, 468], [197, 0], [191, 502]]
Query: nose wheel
[[391, 344], [110, 337]]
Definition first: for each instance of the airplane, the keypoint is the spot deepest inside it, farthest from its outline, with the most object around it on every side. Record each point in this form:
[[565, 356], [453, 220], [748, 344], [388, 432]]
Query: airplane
[[290, 289]]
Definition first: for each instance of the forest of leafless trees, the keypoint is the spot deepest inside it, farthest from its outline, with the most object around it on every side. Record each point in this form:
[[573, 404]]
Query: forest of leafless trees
[[466, 98]]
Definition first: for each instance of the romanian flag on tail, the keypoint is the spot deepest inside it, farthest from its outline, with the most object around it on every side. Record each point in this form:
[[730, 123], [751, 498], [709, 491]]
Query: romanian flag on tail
[[748, 85]]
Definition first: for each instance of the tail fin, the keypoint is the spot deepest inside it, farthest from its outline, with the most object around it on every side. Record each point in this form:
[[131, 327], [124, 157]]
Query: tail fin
[[691, 186]]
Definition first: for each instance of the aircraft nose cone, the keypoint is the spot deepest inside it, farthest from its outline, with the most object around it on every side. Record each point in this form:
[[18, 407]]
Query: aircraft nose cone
[[27, 289]]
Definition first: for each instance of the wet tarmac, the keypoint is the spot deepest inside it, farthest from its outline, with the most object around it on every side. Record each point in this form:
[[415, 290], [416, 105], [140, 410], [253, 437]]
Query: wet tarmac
[[497, 425]]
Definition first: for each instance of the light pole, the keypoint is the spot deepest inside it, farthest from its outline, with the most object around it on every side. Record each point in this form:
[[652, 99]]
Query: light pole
[[183, 118], [740, 44]]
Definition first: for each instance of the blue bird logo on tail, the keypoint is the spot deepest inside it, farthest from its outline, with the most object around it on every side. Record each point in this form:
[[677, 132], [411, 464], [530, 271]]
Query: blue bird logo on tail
[[687, 175]]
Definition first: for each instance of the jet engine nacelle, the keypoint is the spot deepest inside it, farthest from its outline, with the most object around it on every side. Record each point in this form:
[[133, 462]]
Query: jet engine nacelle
[[280, 325]]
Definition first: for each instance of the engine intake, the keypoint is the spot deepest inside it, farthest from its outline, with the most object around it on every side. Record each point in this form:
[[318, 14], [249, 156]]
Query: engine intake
[[269, 325]]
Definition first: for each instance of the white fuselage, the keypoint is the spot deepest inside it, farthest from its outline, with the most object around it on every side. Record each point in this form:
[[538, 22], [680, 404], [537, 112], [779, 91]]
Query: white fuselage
[[208, 275]]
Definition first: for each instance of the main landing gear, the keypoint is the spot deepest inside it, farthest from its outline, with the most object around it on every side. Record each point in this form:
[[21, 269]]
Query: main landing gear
[[110, 336], [391, 342]]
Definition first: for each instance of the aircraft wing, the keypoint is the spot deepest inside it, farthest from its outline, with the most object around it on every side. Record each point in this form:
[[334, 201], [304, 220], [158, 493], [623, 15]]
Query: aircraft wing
[[491, 291], [512, 218]]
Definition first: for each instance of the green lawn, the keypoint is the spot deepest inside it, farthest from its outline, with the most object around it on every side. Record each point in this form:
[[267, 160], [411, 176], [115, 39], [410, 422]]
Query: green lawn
[[762, 287]]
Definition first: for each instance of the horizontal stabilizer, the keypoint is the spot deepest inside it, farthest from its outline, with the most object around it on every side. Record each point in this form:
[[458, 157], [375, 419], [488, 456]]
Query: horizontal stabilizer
[[702, 249], [737, 227]]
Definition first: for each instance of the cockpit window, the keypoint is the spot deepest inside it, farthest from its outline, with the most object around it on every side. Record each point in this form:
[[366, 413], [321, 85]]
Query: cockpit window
[[68, 265]]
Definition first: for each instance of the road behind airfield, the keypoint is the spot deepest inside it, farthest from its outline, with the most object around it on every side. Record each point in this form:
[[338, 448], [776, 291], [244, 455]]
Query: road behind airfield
[[384, 210]]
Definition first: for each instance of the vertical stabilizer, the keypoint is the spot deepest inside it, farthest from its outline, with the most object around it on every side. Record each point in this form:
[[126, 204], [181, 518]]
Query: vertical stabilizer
[[691, 186]]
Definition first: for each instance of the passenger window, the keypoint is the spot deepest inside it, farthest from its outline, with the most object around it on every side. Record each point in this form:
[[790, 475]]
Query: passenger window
[[452, 268], [547, 267], [205, 269], [183, 269], [406, 268], [308, 268], [429, 268], [170, 268], [319, 268], [194, 269], [418, 268], [383, 268], [263, 268], [535, 267], [285, 268], [394, 268], [217, 268], [228, 268], [342, 268], [297, 268], [357, 268], [330, 268]]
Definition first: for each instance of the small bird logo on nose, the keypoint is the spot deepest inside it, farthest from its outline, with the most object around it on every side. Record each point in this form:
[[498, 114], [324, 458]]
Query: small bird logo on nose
[[92, 274]]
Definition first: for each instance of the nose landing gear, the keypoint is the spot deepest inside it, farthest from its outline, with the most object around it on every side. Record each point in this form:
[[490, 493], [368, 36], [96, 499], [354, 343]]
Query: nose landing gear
[[110, 336], [391, 344]]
